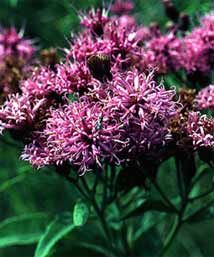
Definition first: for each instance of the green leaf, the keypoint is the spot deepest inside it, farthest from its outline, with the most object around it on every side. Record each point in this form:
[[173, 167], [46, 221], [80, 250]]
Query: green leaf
[[95, 247], [80, 213], [189, 242], [150, 205], [205, 213], [55, 231], [11, 182], [150, 219], [24, 229]]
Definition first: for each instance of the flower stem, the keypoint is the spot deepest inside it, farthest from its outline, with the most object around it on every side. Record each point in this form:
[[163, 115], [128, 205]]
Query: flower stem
[[100, 214], [164, 196]]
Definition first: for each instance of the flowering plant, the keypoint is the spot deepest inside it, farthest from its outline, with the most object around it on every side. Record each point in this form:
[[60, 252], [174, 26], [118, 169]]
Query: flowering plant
[[106, 119]]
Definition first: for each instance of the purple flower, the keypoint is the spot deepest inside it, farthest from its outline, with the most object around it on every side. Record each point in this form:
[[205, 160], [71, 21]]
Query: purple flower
[[15, 56], [81, 133], [40, 84], [144, 108], [72, 77], [201, 130], [95, 21], [67, 78], [162, 53], [127, 21], [129, 119], [84, 46], [122, 6], [197, 48], [12, 43], [19, 112], [205, 98]]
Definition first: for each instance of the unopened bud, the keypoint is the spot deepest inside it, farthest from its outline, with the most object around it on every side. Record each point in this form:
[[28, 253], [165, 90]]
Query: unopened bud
[[49, 57], [184, 22], [171, 10], [100, 66]]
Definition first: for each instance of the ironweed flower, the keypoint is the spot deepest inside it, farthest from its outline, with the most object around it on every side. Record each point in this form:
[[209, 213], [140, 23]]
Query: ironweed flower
[[201, 130], [95, 21], [119, 41], [84, 46], [122, 6], [162, 53], [40, 83], [197, 48], [205, 98], [13, 43], [19, 112], [145, 108], [83, 133], [118, 112], [67, 78], [15, 55], [130, 119]]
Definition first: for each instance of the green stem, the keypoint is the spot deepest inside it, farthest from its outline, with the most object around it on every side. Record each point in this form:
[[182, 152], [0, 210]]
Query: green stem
[[123, 232], [158, 188], [100, 214]]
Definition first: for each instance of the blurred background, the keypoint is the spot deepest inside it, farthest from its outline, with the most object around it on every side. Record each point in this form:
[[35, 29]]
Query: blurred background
[[52, 21], [23, 190]]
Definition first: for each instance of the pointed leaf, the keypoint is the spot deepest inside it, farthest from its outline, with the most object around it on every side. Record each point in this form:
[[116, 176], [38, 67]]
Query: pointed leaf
[[24, 229], [149, 206], [55, 231], [202, 214]]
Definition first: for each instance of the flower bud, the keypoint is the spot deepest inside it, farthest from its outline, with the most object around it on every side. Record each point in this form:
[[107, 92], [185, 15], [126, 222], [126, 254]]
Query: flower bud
[[49, 57], [184, 22], [171, 10], [100, 66]]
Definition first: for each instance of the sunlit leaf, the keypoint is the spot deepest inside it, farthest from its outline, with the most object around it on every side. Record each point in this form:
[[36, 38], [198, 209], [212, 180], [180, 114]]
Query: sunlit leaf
[[55, 231], [24, 229], [80, 213]]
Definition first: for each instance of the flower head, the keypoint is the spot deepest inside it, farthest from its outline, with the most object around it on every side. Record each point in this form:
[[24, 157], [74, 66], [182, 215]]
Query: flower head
[[205, 98], [12, 43], [18, 112], [15, 55], [82, 133], [122, 6], [197, 48], [95, 21], [201, 130], [162, 53]]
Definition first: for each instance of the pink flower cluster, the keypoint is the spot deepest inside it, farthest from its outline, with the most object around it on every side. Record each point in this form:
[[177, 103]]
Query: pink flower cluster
[[205, 98], [103, 104], [16, 53], [201, 130], [193, 52], [129, 44], [13, 43], [120, 6], [197, 48], [130, 119], [67, 78]]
